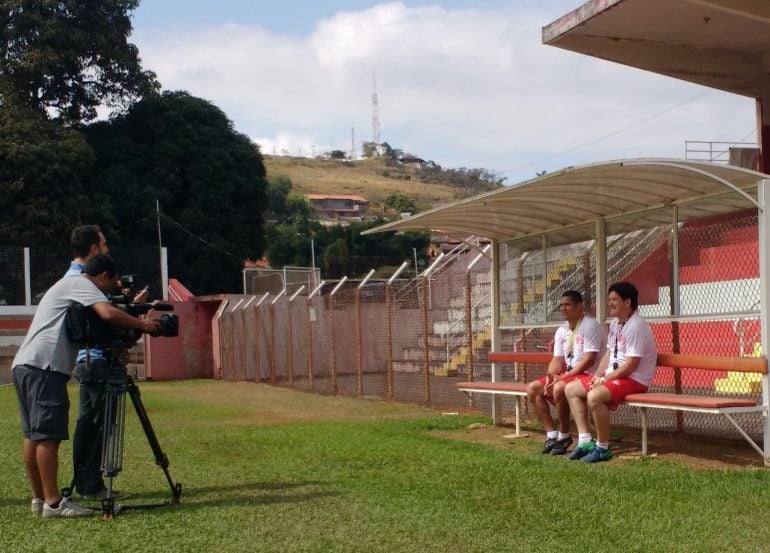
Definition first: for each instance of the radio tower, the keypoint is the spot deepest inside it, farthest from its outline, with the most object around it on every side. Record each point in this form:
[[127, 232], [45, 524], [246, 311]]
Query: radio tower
[[375, 117]]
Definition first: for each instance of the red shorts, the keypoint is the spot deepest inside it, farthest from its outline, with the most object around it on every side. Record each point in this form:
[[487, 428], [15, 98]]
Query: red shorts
[[564, 379], [619, 388]]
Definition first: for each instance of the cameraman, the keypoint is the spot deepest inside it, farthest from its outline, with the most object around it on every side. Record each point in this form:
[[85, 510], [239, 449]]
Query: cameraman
[[41, 369], [90, 370]]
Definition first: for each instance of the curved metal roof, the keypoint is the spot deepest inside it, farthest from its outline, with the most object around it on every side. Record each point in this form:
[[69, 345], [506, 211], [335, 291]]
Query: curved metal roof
[[580, 195]]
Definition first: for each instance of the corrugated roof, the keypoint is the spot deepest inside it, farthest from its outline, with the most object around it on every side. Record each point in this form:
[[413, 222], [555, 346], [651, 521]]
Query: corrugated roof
[[575, 196]]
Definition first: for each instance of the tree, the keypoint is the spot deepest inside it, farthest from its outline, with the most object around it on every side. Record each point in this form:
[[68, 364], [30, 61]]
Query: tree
[[70, 57], [42, 172], [208, 179], [400, 202], [336, 259], [337, 154]]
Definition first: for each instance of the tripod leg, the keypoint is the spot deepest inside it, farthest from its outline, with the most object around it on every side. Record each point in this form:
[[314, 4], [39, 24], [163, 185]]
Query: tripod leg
[[160, 458], [112, 443]]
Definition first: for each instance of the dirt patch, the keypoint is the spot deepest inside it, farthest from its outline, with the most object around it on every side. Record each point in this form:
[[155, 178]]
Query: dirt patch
[[696, 452]]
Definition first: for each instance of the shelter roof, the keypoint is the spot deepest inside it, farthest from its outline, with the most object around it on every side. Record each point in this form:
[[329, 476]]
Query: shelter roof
[[723, 44], [561, 203]]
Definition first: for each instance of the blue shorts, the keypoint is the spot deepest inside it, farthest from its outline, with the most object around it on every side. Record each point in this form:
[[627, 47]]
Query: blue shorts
[[43, 402]]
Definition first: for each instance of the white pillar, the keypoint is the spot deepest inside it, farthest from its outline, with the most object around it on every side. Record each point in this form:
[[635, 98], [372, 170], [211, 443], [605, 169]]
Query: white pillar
[[27, 279], [494, 295], [763, 196], [601, 270], [164, 272]]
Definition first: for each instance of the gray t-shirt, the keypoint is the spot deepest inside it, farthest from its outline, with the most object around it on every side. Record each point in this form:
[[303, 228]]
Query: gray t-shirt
[[47, 344]]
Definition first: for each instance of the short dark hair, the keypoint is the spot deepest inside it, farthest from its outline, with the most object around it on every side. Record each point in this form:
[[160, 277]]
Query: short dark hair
[[101, 263], [574, 295], [627, 291], [83, 237]]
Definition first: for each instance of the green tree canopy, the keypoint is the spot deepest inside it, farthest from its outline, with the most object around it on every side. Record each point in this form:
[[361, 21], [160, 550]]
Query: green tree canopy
[[70, 57], [208, 179], [42, 172]]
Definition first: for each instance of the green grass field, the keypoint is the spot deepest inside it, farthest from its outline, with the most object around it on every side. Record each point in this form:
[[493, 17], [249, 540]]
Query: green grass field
[[275, 470]]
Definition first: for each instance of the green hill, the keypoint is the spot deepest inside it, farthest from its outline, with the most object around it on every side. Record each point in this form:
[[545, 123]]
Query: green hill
[[370, 178]]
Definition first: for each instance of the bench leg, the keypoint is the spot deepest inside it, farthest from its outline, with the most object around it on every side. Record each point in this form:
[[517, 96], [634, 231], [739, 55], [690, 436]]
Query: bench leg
[[643, 415]]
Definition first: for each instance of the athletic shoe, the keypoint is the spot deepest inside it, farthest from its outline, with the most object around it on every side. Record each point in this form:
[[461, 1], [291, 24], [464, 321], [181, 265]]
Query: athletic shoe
[[66, 509], [581, 450], [560, 447], [597, 455], [101, 494], [37, 506], [548, 445]]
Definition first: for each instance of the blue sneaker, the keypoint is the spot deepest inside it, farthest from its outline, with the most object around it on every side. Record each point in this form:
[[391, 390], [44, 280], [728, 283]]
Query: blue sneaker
[[581, 450], [597, 455]]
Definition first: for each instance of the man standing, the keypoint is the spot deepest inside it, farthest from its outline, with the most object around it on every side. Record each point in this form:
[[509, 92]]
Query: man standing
[[41, 369], [91, 371], [577, 346], [627, 367]]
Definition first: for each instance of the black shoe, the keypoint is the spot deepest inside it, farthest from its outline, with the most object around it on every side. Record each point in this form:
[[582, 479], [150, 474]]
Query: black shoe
[[560, 447], [548, 445]]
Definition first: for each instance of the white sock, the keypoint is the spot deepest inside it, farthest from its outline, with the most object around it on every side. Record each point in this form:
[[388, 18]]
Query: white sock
[[552, 434], [563, 436], [584, 438], [603, 445]]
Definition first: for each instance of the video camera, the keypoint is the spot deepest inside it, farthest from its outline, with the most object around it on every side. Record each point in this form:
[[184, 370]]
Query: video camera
[[85, 327]]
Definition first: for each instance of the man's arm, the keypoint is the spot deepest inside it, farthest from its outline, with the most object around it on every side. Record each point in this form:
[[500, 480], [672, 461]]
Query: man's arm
[[599, 374], [114, 316]]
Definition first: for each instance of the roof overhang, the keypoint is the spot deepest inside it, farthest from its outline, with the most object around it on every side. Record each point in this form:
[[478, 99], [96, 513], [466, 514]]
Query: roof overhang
[[561, 203], [723, 44]]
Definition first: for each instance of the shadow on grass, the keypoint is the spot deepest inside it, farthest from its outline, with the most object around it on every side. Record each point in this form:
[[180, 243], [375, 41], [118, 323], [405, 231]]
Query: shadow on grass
[[239, 495]]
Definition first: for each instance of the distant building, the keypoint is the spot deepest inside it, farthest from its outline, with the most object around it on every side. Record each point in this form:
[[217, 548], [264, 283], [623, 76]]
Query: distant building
[[338, 207]]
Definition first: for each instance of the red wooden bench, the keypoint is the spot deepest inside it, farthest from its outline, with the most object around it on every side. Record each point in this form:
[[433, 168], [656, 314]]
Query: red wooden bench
[[715, 404]]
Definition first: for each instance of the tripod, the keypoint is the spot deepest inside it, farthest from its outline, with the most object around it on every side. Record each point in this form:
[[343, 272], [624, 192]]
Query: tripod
[[117, 385]]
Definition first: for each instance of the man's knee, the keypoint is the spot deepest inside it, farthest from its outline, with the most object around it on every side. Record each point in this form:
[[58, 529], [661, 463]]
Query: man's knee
[[534, 390], [598, 397], [574, 389]]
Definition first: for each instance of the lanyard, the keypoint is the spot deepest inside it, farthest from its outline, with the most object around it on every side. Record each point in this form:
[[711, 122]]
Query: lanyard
[[572, 339]]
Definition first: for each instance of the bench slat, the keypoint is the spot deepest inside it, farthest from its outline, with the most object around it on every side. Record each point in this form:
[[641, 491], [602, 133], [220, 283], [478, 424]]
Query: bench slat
[[519, 357], [686, 400], [713, 362], [507, 387]]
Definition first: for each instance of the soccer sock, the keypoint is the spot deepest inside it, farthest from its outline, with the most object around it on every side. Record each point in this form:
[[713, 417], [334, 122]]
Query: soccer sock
[[603, 445], [584, 438], [552, 434], [563, 436]]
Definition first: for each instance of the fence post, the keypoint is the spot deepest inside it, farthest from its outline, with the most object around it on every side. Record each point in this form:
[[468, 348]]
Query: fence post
[[291, 335], [257, 355], [220, 337], [359, 337], [310, 313], [244, 335], [333, 333], [426, 342], [389, 307], [272, 336]]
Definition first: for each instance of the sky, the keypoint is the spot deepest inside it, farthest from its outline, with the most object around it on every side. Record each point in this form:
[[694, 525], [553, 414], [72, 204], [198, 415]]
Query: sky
[[462, 83]]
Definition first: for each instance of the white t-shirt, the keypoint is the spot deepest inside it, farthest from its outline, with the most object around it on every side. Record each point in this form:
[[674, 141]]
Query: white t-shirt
[[633, 339], [572, 345], [47, 344]]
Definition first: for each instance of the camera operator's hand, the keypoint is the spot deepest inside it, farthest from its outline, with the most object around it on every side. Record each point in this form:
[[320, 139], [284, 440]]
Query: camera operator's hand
[[152, 327], [142, 296]]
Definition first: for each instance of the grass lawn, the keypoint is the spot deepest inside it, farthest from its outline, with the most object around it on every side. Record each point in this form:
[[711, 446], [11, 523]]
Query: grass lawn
[[275, 470]]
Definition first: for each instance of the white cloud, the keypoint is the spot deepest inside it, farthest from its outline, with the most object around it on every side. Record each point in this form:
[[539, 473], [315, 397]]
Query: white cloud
[[462, 87]]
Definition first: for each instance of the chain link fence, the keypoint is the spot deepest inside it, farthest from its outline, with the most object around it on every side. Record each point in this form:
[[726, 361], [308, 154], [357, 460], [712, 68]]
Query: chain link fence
[[698, 279]]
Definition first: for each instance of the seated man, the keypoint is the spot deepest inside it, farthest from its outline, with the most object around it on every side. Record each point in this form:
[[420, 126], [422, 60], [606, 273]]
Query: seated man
[[578, 344], [627, 367]]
